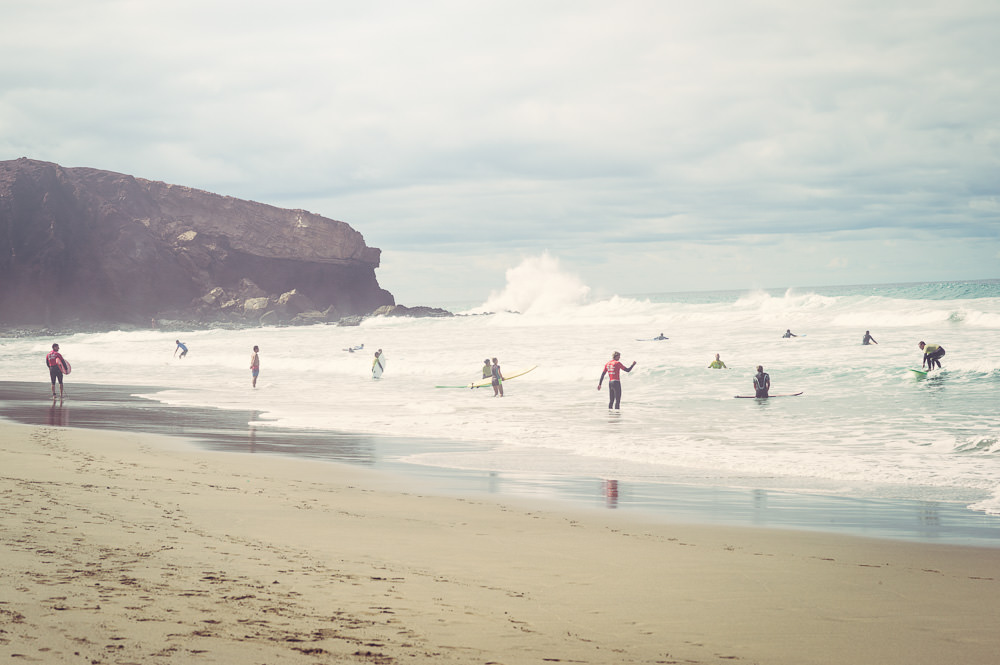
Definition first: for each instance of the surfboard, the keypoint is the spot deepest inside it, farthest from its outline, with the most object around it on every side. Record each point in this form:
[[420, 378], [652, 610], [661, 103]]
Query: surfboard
[[379, 366], [489, 382], [918, 372], [64, 366], [768, 397]]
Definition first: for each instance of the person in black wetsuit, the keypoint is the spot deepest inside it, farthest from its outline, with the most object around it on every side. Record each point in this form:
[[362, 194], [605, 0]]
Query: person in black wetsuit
[[761, 382], [868, 338]]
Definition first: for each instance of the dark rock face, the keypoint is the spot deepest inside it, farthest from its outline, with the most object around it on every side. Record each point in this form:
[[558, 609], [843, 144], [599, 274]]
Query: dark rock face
[[90, 245]]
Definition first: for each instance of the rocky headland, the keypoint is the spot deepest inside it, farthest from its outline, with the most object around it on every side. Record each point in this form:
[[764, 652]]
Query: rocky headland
[[82, 248]]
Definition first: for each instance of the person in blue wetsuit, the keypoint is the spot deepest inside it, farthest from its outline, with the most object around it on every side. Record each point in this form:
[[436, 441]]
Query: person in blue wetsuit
[[180, 347]]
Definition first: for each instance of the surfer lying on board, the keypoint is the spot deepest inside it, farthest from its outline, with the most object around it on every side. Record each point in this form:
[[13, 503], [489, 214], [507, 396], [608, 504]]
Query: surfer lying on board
[[868, 338], [55, 362], [612, 369], [932, 355], [717, 363], [761, 382]]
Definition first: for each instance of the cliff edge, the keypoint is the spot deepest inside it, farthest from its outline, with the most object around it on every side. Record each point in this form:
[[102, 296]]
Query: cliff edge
[[97, 246]]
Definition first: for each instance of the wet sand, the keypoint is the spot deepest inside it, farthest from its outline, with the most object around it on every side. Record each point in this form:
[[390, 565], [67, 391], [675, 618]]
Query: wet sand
[[139, 548]]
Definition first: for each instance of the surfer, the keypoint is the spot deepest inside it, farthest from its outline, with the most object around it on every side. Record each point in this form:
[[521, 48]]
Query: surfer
[[497, 378], [255, 364], [761, 382], [661, 337], [377, 363], [717, 363], [868, 338], [55, 362], [487, 370], [612, 369], [788, 333], [932, 355], [180, 347]]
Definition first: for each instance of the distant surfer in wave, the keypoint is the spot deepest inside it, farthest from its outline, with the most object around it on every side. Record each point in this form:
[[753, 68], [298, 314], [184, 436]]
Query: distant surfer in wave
[[487, 369], [180, 347], [497, 378], [932, 355], [612, 369], [661, 337], [717, 363], [788, 333], [761, 382], [55, 362], [868, 338], [255, 364]]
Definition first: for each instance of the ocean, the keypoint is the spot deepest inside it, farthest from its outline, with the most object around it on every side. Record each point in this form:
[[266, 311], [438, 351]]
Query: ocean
[[864, 428]]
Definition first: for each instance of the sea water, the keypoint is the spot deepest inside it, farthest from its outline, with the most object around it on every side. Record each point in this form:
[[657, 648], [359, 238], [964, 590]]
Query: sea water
[[864, 427]]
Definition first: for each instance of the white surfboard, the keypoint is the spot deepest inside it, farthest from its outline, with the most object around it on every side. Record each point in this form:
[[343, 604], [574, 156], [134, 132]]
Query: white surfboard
[[379, 366]]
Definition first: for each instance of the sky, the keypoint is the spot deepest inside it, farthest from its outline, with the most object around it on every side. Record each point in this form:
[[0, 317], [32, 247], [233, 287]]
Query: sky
[[641, 146]]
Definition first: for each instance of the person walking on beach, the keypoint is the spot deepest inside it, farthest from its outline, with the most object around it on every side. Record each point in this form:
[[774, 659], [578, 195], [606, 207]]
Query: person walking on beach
[[497, 378], [255, 365], [180, 347], [487, 370], [932, 355], [868, 338], [613, 368], [761, 382], [55, 362], [717, 363]]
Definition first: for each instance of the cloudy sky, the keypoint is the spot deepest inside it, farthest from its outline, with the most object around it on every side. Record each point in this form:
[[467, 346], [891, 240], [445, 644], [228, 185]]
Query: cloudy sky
[[645, 145]]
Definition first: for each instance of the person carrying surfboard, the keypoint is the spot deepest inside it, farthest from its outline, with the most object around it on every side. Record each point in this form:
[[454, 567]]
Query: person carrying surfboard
[[761, 382], [497, 378], [612, 369], [932, 355], [717, 363], [56, 363]]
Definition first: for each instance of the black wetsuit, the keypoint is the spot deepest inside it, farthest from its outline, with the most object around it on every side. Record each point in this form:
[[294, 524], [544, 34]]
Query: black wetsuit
[[761, 382]]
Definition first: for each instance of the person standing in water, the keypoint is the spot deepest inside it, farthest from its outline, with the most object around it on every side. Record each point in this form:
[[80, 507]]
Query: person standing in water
[[613, 368], [497, 378], [487, 370], [868, 338], [255, 364], [932, 355], [761, 382], [55, 362], [789, 333], [180, 347], [717, 363]]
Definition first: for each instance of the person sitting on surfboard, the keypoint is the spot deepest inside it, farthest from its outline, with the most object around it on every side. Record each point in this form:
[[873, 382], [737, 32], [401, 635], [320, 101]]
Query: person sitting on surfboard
[[717, 363], [932, 354], [55, 362], [789, 333], [487, 370], [612, 369], [761, 382], [868, 338], [497, 378], [180, 347]]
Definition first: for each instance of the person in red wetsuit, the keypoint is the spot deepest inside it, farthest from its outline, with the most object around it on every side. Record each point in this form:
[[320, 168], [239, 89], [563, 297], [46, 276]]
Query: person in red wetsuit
[[612, 369], [55, 362]]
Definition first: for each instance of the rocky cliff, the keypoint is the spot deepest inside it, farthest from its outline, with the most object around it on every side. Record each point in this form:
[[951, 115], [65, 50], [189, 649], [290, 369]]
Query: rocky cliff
[[89, 245]]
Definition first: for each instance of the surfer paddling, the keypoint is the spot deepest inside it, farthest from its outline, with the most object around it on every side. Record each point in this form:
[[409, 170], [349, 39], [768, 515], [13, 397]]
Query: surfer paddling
[[932, 355], [761, 382], [255, 364], [612, 369], [497, 378], [57, 367]]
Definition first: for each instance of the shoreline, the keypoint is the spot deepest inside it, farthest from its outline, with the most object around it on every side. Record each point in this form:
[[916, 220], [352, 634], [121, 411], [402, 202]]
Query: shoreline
[[129, 547], [113, 407]]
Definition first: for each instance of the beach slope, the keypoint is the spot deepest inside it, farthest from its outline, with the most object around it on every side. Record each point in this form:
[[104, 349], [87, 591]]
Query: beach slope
[[135, 548]]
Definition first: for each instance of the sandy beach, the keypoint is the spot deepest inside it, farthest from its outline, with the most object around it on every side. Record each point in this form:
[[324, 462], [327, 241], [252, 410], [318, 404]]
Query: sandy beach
[[138, 548]]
